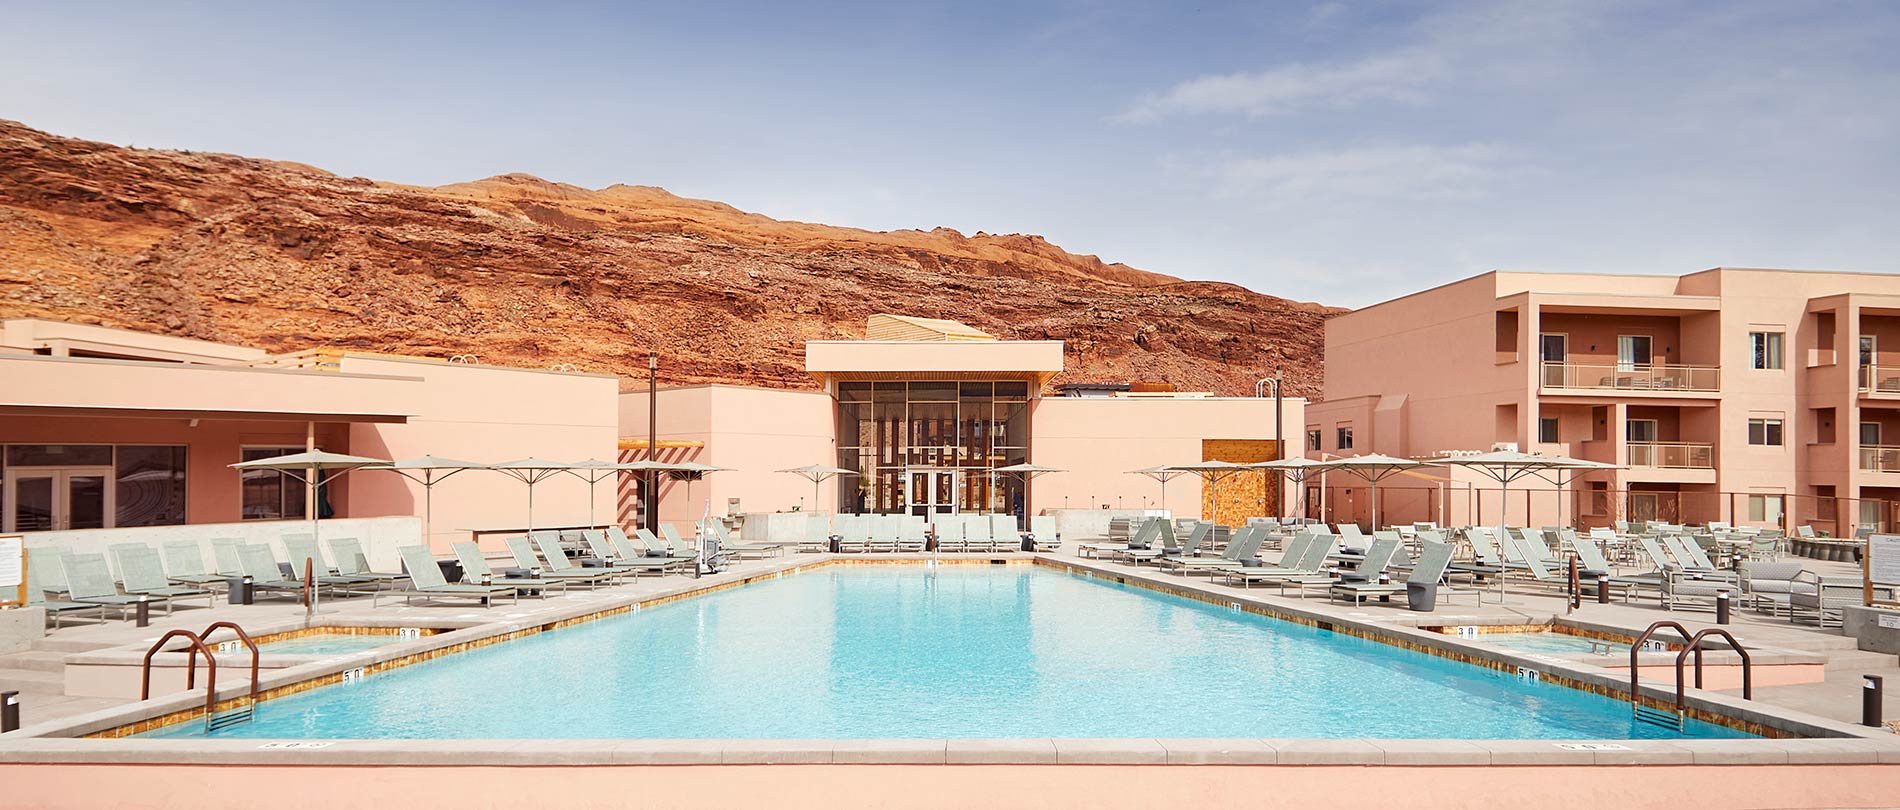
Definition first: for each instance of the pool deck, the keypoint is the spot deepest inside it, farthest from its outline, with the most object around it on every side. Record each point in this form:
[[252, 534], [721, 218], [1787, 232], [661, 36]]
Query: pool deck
[[54, 724]]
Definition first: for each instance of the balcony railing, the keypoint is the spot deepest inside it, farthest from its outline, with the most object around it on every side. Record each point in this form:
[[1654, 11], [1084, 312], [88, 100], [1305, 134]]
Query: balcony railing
[[1879, 379], [1672, 455], [1613, 377], [1880, 458]]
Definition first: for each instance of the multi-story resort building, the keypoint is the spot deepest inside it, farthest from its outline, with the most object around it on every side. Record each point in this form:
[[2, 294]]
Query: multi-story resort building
[[1754, 397]]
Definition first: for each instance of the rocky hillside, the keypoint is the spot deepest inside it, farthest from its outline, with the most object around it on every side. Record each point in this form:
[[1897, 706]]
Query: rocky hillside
[[522, 271]]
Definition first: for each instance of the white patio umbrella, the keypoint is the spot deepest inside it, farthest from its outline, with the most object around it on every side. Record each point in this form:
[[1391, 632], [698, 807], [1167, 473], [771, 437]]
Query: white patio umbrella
[[1212, 472], [1162, 475], [427, 471], [530, 471], [594, 471], [817, 474], [1566, 470], [1295, 471], [690, 471], [1504, 467], [311, 464], [1026, 473], [1372, 467]]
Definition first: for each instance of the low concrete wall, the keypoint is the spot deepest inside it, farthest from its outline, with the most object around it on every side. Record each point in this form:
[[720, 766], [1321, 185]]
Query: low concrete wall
[[371, 784], [1864, 624], [1089, 525], [778, 527], [21, 627], [380, 537]]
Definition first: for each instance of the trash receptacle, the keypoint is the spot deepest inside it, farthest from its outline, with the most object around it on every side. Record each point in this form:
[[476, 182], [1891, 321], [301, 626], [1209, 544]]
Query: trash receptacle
[[238, 590], [1421, 595]]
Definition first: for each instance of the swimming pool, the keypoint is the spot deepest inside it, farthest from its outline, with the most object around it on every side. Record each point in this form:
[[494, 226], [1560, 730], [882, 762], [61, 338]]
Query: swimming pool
[[328, 643], [906, 651]]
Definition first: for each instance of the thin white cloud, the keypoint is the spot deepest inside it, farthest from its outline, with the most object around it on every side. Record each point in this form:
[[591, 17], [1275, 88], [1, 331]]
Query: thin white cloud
[[1408, 172], [1398, 76]]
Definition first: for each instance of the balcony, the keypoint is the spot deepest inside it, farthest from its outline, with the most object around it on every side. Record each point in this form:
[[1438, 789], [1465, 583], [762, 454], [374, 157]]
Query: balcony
[[1880, 458], [1648, 379], [1672, 455], [1880, 380]]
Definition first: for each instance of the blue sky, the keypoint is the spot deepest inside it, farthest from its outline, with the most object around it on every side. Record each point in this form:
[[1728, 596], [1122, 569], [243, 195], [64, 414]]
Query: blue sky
[[1344, 152]]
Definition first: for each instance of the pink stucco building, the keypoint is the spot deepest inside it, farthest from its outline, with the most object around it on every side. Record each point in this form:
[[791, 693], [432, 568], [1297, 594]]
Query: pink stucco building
[[104, 429], [922, 411], [1763, 397]]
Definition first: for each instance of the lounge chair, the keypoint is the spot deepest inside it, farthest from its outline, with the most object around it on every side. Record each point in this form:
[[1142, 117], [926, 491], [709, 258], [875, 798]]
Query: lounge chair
[[1433, 560], [1484, 555], [852, 533], [425, 580], [950, 532], [1168, 545], [743, 550], [977, 536], [884, 532], [1006, 534], [185, 564], [603, 548], [351, 562], [1238, 554], [655, 547], [1311, 561], [1144, 536], [911, 533], [1352, 541], [817, 537], [1591, 564], [224, 552], [523, 552], [680, 546], [47, 560], [56, 609], [1384, 545], [1042, 534], [267, 579], [303, 547], [634, 552], [89, 582], [476, 571], [142, 575]]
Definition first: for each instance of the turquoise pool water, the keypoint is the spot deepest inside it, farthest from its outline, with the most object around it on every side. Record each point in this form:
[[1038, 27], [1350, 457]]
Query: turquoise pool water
[[326, 644], [953, 651], [1552, 643]]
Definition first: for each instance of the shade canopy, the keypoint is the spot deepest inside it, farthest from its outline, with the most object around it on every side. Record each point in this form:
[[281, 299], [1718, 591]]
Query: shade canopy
[[310, 460], [1211, 468], [1296, 470], [680, 468], [1027, 469], [1373, 467], [428, 463], [817, 472], [1162, 473]]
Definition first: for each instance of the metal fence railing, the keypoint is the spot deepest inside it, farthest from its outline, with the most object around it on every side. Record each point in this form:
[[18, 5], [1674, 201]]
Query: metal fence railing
[[1672, 455], [1879, 379], [1616, 377]]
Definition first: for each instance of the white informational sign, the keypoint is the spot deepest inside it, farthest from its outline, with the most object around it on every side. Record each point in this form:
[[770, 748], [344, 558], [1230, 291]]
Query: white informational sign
[[12, 564], [1883, 559], [1890, 621]]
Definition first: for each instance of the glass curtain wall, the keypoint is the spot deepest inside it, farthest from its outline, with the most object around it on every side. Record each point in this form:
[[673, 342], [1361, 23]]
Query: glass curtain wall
[[887, 431]]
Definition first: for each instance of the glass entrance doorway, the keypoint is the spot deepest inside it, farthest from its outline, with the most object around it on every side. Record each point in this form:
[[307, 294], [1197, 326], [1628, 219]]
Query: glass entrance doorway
[[44, 499], [933, 492]]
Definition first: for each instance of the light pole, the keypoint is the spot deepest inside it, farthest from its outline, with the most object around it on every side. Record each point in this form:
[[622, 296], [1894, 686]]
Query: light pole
[[653, 439]]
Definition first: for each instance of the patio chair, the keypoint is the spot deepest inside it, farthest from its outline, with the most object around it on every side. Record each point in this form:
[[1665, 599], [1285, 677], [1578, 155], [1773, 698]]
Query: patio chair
[[681, 547], [1238, 554], [912, 535], [1591, 563], [1352, 541], [56, 609], [185, 564], [854, 533], [655, 547], [303, 547], [1311, 561], [258, 562], [1825, 598], [89, 582], [141, 574], [602, 548], [632, 552], [1484, 555], [1433, 560], [1042, 534], [1005, 537], [556, 565], [425, 580], [1168, 545], [351, 562], [1145, 535], [741, 550], [477, 571], [977, 536], [47, 560], [1372, 565], [1773, 583], [817, 537], [224, 552]]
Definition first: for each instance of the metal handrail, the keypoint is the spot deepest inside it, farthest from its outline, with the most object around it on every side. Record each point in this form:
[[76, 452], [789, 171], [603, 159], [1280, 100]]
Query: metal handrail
[[1695, 645], [244, 637], [1636, 672], [1672, 455], [1879, 458], [1877, 379], [1635, 377], [191, 674]]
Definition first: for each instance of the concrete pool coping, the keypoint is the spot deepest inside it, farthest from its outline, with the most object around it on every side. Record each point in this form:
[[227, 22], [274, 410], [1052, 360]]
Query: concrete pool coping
[[1819, 740]]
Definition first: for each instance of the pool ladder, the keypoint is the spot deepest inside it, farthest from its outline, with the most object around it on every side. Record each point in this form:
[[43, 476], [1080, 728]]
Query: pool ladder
[[1693, 644], [197, 644]]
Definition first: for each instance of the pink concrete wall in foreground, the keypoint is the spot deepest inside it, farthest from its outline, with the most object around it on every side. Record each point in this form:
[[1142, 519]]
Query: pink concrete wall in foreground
[[954, 787]]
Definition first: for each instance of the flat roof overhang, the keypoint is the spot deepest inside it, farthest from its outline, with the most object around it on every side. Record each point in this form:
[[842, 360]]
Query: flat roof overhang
[[92, 387], [1602, 304], [1035, 361]]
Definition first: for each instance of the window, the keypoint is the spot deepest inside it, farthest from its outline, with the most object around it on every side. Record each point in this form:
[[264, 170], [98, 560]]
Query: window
[[1870, 434], [1554, 348], [1641, 431], [1869, 350], [1547, 429], [151, 485], [1764, 509], [1344, 437], [1312, 438], [1632, 352], [271, 494], [1764, 350], [1764, 432]]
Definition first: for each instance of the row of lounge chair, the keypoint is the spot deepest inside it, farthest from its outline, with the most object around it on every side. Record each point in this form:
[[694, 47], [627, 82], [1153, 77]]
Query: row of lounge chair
[[981, 534]]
